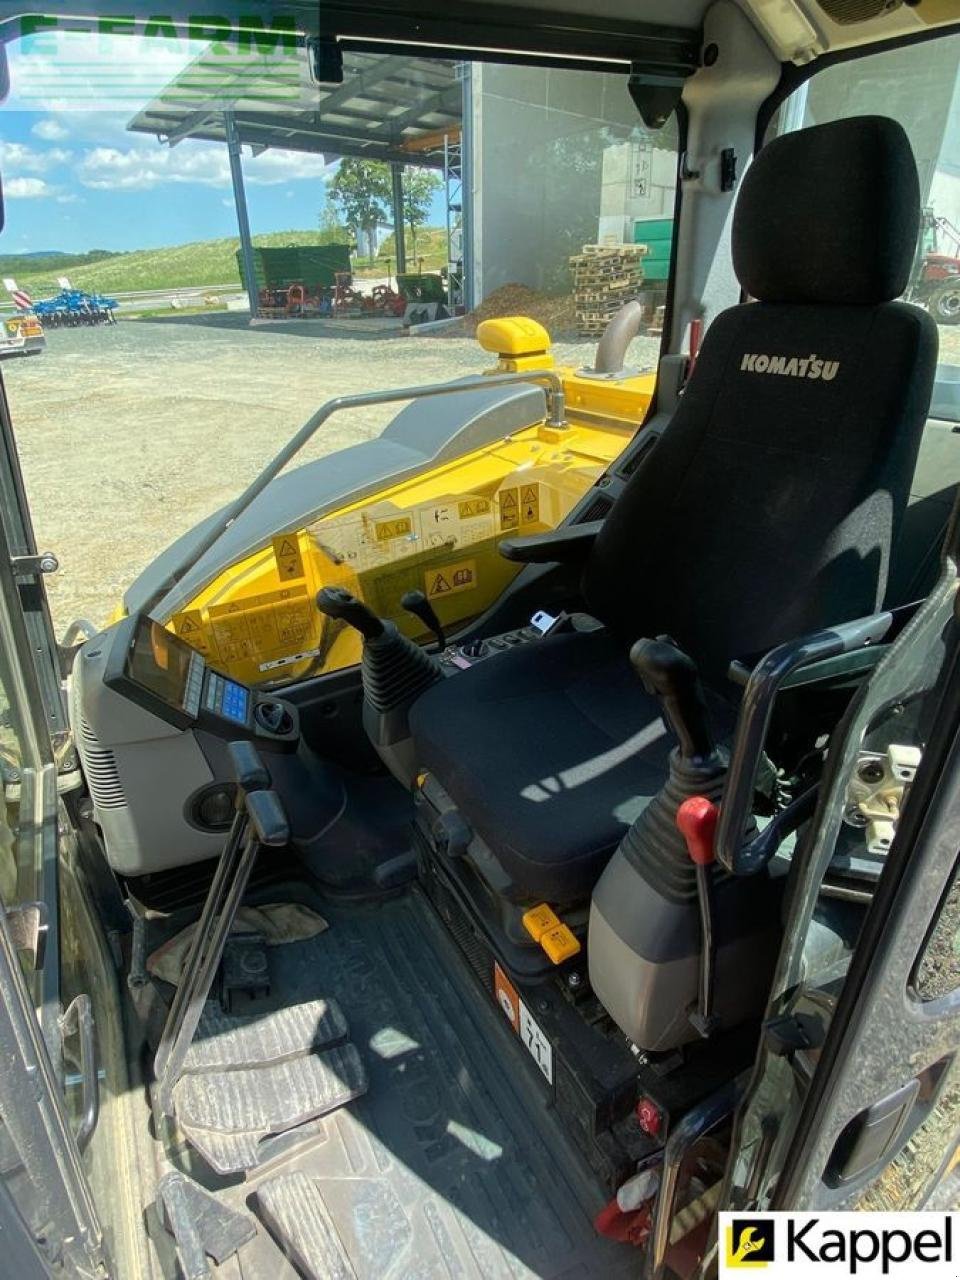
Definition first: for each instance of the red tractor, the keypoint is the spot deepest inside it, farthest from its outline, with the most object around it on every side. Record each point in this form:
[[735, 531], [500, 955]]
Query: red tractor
[[936, 277]]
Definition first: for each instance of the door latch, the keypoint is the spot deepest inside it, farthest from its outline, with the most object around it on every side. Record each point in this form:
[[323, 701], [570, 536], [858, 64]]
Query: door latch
[[28, 925], [31, 566]]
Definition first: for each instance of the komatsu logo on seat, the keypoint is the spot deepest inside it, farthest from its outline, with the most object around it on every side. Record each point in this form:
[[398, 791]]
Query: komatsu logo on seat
[[791, 366]]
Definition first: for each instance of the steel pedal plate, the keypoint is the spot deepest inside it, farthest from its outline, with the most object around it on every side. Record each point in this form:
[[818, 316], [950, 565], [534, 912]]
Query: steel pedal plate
[[226, 1114], [230, 1042]]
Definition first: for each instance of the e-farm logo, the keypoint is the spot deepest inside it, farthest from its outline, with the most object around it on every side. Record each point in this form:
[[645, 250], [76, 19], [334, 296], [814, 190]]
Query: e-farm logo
[[870, 1246], [98, 63]]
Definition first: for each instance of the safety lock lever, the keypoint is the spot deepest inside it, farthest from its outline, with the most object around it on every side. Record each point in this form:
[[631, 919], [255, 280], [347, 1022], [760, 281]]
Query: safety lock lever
[[697, 821]]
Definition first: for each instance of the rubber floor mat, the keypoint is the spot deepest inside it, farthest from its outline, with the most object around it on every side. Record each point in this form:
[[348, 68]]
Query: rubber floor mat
[[226, 1114], [452, 1164], [227, 1041]]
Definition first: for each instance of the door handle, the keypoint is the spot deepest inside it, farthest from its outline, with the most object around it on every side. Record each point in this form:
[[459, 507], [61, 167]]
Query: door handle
[[77, 1019]]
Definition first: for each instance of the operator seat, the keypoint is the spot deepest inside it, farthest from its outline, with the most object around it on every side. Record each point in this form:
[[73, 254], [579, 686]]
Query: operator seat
[[767, 510]]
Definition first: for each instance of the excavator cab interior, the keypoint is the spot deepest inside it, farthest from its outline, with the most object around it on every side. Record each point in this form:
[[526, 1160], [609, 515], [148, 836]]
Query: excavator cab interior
[[455, 962]]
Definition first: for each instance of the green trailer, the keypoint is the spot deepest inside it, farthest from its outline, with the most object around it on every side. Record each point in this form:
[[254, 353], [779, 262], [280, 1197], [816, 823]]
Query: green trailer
[[313, 266]]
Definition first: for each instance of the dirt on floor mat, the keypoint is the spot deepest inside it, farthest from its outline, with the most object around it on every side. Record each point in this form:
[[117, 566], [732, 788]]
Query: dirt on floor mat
[[451, 1164]]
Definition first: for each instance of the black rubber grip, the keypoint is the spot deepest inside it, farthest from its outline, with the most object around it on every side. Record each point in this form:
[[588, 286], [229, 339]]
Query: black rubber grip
[[268, 818], [335, 602], [249, 771]]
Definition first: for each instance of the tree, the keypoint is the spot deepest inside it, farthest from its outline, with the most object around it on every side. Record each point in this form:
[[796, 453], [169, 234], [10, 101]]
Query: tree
[[360, 190], [332, 230], [419, 188]]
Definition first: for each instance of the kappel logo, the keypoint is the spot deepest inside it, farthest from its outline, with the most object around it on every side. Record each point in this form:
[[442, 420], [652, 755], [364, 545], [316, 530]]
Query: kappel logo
[[750, 1242]]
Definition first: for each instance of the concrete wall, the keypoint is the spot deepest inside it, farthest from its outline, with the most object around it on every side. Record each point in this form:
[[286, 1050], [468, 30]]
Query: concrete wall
[[539, 138], [917, 86]]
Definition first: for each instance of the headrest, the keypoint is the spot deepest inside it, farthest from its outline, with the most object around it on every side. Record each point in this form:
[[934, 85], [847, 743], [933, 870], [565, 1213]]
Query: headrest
[[829, 214]]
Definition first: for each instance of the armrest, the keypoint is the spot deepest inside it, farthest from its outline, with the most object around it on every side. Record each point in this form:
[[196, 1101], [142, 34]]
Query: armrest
[[564, 545]]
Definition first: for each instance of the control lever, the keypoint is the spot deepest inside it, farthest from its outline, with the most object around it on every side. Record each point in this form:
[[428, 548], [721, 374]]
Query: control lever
[[697, 820], [416, 602], [671, 676], [335, 602], [259, 821], [273, 716]]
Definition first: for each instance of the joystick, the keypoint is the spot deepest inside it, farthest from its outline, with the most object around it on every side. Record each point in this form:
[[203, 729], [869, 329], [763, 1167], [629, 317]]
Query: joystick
[[337, 603], [671, 676], [395, 672], [416, 602]]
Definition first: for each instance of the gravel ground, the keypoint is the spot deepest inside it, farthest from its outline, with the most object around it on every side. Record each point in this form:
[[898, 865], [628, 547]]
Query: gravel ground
[[130, 434]]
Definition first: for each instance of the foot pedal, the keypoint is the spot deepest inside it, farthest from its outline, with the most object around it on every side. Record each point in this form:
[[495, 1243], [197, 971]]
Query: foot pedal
[[244, 971], [293, 1212], [200, 1225], [226, 1042], [226, 1114]]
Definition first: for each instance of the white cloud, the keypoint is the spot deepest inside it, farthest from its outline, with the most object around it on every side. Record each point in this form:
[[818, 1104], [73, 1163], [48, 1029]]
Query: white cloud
[[69, 197], [16, 158], [50, 130], [27, 188], [147, 165]]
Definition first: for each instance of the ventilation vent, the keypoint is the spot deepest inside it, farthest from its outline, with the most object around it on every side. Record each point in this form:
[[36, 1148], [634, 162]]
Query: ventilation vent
[[100, 767], [596, 509], [632, 463], [848, 12]]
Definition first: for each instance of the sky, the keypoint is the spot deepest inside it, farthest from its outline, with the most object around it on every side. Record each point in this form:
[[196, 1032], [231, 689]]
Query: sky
[[75, 179]]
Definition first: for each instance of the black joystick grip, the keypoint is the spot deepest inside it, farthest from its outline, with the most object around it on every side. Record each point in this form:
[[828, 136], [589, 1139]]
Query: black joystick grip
[[671, 676], [416, 602], [334, 602]]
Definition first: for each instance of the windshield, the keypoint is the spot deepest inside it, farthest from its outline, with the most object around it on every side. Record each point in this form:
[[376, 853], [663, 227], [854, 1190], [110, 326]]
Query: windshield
[[177, 358]]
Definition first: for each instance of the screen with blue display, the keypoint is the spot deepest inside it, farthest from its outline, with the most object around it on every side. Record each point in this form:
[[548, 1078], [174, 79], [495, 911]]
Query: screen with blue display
[[233, 705]]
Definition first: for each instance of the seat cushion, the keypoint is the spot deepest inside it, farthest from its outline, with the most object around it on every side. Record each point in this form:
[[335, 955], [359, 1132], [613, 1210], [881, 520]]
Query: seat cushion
[[549, 750]]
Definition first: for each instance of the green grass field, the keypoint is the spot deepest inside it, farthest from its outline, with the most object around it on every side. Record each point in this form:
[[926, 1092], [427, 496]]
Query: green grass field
[[202, 262]]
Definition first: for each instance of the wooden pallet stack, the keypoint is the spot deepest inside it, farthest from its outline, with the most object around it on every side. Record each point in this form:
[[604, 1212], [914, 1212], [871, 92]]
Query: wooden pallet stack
[[604, 278]]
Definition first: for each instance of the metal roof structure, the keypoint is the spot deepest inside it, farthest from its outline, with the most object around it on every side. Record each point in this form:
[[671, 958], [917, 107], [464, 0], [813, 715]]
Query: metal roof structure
[[389, 107]]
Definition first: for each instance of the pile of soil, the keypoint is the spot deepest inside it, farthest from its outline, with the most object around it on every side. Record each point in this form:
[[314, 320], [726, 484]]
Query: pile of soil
[[555, 313]]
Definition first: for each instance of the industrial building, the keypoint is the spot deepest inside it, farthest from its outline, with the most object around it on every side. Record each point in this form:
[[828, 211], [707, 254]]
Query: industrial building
[[535, 161]]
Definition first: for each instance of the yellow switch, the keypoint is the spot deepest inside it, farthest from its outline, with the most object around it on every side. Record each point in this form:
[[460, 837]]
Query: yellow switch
[[560, 943], [539, 919]]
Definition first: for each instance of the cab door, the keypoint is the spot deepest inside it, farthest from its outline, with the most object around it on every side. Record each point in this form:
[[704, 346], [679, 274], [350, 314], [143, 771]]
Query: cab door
[[47, 1209], [855, 1099]]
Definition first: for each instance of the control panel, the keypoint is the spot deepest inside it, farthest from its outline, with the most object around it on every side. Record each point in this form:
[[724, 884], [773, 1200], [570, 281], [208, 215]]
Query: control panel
[[226, 698], [151, 667], [461, 656]]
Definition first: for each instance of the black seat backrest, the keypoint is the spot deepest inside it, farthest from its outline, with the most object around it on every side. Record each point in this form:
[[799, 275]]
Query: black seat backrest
[[769, 507]]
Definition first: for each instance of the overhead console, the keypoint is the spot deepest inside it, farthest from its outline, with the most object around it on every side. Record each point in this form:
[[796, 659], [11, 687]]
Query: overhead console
[[152, 721]]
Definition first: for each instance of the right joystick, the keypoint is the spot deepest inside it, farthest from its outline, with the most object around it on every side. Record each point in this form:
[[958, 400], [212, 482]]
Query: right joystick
[[335, 602], [671, 676]]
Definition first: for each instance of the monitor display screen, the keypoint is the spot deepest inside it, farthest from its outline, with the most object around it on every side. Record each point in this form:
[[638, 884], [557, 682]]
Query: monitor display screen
[[159, 662]]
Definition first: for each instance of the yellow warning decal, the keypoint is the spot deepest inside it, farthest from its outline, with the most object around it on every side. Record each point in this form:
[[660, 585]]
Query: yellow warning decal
[[530, 504], [262, 626], [450, 579], [387, 529], [471, 507], [286, 548], [509, 510], [189, 627]]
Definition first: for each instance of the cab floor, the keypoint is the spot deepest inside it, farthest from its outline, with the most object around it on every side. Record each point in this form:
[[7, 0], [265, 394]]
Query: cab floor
[[451, 1164]]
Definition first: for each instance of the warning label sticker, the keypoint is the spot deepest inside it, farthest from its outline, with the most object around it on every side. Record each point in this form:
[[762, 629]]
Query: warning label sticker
[[509, 508], [523, 1022], [286, 549], [450, 579], [387, 529], [471, 507], [508, 997], [189, 627], [530, 504], [260, 627]]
